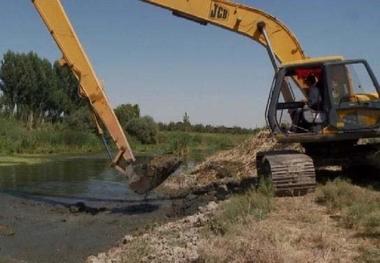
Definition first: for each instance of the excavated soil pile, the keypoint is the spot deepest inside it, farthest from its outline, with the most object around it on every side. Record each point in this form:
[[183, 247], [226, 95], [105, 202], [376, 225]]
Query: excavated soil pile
[[229, 167]]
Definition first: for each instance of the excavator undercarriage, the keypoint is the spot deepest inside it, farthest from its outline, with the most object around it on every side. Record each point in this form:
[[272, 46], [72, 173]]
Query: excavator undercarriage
[[290, 172], [293, 173]]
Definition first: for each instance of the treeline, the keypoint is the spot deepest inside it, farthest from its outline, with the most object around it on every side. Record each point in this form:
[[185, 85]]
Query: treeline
[[35, 91], [146, 130], [183, 126], [186, 126]]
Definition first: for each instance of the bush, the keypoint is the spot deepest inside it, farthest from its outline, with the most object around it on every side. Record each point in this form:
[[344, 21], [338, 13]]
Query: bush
[[144, 129]]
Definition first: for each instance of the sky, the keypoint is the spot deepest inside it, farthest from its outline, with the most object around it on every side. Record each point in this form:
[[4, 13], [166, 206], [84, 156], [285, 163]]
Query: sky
[[170, 66]]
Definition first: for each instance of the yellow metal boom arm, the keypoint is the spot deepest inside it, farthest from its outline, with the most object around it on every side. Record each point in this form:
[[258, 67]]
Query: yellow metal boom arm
[[56, 20], [239, 18]]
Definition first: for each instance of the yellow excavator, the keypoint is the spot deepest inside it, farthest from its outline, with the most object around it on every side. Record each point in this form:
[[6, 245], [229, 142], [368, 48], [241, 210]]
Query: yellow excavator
[[329, 105]]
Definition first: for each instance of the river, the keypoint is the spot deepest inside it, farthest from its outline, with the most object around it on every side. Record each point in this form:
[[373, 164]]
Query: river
[[69, 208]]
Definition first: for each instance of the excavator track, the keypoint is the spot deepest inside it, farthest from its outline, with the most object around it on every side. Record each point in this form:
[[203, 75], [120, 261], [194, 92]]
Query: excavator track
[[291, 173]]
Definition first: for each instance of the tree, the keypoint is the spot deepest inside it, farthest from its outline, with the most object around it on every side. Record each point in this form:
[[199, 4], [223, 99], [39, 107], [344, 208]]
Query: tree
[[35, 90], [127, 112], [80, 119], [186, 125], [144, 129], [186, 118], [68, 90]]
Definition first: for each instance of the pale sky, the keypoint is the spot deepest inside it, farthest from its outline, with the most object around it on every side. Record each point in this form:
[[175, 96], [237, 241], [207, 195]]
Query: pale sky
[[170, 66]]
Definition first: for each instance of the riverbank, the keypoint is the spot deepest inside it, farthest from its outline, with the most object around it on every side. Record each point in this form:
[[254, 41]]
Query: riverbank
[[28, 146], [68, 208], [282, 230], [49, 229], [16, 139], [338, 223]]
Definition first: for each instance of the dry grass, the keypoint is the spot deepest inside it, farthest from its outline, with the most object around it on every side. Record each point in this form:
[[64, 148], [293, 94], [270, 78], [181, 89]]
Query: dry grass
[[357, 208], [255, 227], [297, 230], [137, 251]]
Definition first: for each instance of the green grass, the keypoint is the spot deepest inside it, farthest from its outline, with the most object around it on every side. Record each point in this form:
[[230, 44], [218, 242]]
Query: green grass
[[189, 145], [359, 208], [232, 235], [253, 204], [15, 138]]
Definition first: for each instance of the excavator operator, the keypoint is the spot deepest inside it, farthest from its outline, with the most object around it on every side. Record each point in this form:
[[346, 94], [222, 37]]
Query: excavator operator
[[314, 95], [313, 111]]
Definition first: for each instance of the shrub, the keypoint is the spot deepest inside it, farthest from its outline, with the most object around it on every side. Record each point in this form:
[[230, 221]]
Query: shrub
[[144, 129]]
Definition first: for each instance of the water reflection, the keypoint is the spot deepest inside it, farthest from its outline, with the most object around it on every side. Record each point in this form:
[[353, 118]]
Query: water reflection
[[84, 176]]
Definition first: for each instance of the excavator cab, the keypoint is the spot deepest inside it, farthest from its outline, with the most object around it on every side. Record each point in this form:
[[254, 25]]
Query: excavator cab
[[348, 104], [330, 129]]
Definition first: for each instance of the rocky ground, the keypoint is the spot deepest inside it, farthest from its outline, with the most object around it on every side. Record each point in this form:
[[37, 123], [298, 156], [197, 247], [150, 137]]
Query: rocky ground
[[296, 229]]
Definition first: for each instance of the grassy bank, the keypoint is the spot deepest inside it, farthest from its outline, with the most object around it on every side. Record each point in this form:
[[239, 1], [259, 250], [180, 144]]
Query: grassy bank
[[15, 138], [355, 208], [191, 145], [256, 227]]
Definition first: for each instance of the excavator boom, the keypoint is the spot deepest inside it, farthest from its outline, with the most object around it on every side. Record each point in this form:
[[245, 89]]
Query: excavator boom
[[241, 19], [74, 56]]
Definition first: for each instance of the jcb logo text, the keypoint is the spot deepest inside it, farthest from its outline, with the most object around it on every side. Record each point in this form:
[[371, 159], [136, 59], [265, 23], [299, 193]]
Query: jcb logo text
[[218, 12]]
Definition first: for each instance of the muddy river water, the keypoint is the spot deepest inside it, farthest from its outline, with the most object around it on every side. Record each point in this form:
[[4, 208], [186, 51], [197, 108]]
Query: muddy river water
[[69, 208]]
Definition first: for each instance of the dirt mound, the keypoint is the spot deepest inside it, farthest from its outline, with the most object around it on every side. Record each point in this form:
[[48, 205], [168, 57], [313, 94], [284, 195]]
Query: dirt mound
[[238, 162], [224, 167]]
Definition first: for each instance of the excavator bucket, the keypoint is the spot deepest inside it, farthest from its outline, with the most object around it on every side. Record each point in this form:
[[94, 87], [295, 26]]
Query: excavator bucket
[[145, 177]]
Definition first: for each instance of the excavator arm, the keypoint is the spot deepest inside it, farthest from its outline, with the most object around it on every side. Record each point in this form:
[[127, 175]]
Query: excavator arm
[[74, 56], [141, 180], [241, 19]]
